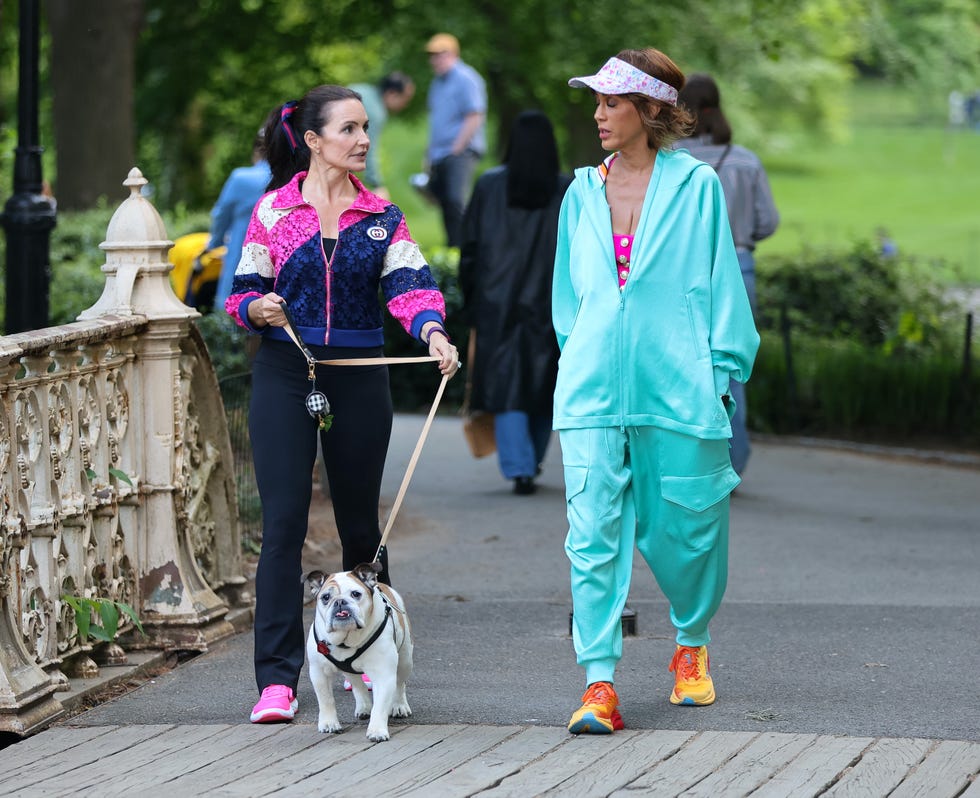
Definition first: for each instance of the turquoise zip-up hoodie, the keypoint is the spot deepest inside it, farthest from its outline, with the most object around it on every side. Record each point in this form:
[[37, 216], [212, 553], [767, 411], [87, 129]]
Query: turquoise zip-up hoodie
[[661, 351]]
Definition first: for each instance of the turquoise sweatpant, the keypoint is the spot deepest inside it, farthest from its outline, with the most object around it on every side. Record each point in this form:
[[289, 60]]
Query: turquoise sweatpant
[[667, 494]]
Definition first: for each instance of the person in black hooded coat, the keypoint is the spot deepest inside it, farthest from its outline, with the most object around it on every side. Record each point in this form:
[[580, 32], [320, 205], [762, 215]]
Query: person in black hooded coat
[[505, 271]]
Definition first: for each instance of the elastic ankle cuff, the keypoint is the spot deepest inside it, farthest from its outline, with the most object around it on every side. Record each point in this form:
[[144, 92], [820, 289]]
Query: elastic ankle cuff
[[600, 670], [694, 641]]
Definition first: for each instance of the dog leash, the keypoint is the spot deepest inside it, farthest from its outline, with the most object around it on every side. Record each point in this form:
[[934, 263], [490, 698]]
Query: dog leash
[[370, 361]]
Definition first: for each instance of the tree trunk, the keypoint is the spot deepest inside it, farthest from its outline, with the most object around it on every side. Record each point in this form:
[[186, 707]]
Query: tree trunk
[[93, 50]]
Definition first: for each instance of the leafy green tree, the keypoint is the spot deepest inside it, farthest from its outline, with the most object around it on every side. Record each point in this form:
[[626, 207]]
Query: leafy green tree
[[92, 81], [931, 45], [198, 109], [210, 72], [206, 72]]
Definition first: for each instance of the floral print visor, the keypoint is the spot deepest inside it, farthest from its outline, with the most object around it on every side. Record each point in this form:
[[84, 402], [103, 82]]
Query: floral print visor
[[618, 77]]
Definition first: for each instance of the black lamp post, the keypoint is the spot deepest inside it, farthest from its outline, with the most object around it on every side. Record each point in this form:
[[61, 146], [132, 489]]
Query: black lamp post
[[28, 216]]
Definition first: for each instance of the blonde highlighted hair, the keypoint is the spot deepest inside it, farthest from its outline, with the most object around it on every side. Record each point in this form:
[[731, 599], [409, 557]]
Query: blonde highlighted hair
[[670, 122]]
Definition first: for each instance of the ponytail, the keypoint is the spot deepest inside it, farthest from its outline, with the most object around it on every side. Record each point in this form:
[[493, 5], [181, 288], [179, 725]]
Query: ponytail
[[287, 125], [286, 152]]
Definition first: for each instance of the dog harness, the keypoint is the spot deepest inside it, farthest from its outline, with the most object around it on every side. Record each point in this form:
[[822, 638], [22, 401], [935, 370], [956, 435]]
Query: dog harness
[[345, 665]]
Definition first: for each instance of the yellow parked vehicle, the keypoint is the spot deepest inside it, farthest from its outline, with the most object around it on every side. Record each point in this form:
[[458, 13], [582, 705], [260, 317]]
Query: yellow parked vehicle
[[196, 270]]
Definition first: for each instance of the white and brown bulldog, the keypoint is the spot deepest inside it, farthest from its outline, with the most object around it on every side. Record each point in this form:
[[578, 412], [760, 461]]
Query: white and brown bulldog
[[360, 626]]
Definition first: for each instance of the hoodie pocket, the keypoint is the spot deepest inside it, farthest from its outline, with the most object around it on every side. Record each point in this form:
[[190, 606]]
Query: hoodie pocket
[[699, 330]]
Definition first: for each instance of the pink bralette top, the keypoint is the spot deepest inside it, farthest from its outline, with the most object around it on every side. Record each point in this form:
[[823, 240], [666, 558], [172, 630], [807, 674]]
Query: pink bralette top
[[622, 246]]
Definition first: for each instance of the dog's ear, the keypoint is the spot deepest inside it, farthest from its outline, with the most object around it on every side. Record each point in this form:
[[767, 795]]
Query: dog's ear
[[314, 581], [368, 572]]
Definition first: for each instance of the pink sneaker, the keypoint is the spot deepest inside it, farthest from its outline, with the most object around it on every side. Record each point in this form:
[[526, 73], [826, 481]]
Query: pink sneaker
[[364, 678], [278, 703]]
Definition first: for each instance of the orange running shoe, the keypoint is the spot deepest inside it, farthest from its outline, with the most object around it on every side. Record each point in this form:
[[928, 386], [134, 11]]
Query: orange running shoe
[[598, 713], [692, 682]]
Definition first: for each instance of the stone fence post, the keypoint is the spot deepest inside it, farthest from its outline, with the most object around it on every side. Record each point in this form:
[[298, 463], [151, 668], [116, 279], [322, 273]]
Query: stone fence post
[[116, 478]]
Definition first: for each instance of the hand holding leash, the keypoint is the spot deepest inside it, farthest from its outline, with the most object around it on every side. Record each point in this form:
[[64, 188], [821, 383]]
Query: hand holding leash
[[441, 347], [266, 311]]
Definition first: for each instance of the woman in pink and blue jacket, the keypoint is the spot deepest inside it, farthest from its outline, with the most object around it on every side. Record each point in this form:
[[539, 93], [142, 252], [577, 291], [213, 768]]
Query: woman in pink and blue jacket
[[324, 244]]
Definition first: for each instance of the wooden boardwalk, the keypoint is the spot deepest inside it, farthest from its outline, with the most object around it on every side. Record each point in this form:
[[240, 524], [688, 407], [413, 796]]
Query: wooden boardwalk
[[441, 761]]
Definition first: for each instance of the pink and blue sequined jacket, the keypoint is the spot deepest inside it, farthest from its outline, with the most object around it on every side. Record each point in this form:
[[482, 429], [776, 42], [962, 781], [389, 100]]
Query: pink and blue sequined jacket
[[334, 301]]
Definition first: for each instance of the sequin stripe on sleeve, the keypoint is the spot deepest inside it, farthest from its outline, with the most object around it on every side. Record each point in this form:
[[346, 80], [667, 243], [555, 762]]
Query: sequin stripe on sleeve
[[253, 278]]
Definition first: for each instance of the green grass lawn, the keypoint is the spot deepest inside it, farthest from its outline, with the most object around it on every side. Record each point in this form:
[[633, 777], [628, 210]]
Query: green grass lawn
[[899, 168], [920, 183]]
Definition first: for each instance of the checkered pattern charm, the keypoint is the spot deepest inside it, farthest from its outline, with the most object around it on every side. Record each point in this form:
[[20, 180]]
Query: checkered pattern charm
[[319, 408], [317, 404]]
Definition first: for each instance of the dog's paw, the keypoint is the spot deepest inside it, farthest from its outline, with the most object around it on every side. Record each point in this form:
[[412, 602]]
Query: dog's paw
[[326, 726], [362, 710], [378, 735], [401, 710]]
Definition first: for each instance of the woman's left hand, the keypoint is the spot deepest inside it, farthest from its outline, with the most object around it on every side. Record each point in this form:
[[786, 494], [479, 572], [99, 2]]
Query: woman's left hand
[[440, 347]]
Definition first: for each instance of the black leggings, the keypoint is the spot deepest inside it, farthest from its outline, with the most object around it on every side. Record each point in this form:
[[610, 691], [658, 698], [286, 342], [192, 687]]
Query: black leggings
[[284, 448]]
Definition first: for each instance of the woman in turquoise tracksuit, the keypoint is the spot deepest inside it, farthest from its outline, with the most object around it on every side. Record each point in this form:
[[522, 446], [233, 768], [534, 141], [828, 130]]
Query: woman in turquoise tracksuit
[[653, 319]]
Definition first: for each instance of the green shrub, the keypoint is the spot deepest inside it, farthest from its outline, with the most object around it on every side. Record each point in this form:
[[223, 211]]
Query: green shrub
[[76, 263], [76, 260], [875, 351], [108, 614], [845, 389], [857, 295]]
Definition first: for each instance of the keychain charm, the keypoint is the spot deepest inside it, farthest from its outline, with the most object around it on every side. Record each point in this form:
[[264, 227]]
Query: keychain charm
[[319, 408]]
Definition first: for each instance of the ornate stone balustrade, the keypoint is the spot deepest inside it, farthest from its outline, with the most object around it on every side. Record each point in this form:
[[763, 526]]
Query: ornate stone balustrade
[[116, 478]]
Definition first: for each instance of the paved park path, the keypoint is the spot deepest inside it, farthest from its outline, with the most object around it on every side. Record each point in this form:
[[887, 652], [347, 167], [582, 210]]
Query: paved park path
[[845, 655]]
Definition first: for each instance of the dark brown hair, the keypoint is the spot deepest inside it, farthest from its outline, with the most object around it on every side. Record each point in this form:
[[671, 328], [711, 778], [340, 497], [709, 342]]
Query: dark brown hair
[[671, 122], [287, 151], [701, 97]]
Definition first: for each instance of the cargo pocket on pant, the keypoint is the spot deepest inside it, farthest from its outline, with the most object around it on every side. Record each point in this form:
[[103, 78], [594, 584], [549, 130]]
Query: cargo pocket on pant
[[701, 492], [699, 524]]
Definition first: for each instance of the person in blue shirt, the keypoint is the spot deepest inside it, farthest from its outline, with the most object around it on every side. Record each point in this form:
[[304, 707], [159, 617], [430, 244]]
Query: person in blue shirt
[[457, 103], [232, 211]]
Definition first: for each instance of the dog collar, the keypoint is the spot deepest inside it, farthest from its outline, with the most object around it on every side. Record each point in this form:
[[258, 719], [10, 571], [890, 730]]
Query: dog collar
[[345, 665]]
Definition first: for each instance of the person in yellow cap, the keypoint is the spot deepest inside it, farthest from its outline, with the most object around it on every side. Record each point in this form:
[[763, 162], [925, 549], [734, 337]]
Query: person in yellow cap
[[457, 103]]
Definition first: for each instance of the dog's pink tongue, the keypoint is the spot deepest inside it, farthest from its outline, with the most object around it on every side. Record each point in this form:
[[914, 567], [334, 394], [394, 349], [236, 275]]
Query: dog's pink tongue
[[342, 614]]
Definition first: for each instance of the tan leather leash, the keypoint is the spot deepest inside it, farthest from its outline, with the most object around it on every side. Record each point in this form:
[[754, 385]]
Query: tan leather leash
[[376, 361]]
